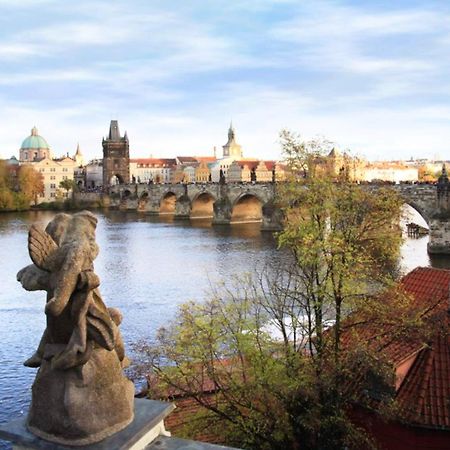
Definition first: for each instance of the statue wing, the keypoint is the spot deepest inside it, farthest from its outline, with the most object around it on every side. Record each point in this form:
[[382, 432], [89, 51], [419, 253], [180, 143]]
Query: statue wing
[[100, 326], [42, 248]]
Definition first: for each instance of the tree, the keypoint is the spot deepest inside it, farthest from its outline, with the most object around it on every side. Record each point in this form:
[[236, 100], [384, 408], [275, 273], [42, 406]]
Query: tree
[[266, 360], [30, 183], [68, 185], [4, 177]]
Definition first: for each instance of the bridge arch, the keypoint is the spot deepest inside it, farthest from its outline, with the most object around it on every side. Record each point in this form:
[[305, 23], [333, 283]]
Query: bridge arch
[[116, 179], [247, 208], [168, 203], [419, 209], [144, 196], [202, 206], [126, 193]]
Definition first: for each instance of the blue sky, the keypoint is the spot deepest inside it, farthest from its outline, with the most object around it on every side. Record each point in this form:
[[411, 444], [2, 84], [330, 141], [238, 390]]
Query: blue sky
[[373, 76]]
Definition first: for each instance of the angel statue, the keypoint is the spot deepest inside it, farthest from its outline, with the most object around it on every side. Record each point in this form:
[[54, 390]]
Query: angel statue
[[82, 337]]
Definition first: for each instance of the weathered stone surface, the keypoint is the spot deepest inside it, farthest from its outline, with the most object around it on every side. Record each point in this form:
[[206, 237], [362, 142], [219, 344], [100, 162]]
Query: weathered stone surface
[[80, 394]]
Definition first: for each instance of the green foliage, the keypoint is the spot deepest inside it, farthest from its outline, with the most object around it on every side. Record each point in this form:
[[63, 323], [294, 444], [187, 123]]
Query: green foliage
[[68, 185]]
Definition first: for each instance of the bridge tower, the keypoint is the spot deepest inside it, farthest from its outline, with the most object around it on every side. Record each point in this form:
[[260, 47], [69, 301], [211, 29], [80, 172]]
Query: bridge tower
[[116, 157], [439, 242]]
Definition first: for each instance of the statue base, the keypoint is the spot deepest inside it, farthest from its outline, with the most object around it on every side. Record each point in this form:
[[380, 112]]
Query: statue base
[[82, 405], [146, 426]]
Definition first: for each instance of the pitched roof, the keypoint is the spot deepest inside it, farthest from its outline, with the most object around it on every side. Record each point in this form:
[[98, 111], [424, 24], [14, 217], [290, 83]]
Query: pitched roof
[[208, 159], [187, 159], [422, 363], [424, 395], [154, 162]]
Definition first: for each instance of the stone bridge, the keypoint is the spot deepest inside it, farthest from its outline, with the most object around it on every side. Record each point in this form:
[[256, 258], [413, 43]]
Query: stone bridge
[[231, 203], [224, 204]]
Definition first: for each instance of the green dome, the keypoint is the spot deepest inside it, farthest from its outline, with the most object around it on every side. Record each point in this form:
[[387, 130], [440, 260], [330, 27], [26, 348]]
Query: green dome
[[34, 141]]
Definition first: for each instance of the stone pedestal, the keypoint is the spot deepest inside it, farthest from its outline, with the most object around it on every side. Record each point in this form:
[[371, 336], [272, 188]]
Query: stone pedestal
[[148, 423]]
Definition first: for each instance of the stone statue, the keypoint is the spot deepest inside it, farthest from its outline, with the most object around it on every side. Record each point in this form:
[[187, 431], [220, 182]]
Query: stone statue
[[80, 395]]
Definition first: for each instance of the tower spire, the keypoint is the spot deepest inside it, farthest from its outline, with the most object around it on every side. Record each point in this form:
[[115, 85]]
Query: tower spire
[[231, 133]]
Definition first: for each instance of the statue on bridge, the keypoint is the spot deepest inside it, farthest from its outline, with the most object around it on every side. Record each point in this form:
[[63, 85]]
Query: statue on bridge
[[80, 395]]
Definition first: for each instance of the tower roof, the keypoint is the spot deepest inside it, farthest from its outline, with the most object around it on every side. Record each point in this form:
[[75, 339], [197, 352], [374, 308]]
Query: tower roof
[[114, 133], [34, 141]]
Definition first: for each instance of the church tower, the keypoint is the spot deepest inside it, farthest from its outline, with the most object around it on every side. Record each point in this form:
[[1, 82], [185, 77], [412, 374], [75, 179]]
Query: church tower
[[116, 156], [232, 148]]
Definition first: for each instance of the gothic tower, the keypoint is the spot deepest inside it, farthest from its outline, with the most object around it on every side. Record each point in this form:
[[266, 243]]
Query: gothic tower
[[116, 156]]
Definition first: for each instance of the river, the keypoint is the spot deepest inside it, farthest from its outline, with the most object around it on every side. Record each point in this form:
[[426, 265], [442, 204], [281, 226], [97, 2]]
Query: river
[[147, 266]]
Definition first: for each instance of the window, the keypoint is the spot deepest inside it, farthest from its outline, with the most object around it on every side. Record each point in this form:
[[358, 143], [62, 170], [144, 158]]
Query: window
[[64, 177], [52, 194], [52, 169], [52, 186], [64, 169], [52, 177]]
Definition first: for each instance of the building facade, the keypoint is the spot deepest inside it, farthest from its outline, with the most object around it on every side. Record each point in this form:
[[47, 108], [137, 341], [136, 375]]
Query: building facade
[[94, 174], [152, 170], [54, 171]]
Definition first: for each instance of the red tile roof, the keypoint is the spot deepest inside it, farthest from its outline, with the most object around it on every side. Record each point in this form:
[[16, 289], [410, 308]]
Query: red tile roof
[[154, 162], [423, 389], [424, 395], [207, 159]]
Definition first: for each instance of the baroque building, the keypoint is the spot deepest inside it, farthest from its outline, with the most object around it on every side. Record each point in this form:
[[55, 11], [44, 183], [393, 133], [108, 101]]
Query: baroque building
[[116, 156], [36, 152]]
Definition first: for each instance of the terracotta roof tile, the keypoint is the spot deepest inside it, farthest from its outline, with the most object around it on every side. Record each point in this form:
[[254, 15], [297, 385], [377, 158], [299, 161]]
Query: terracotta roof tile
[[424, 395]]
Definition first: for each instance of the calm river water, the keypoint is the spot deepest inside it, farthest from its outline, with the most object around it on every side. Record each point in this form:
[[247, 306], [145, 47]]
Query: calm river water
[[147, 267]]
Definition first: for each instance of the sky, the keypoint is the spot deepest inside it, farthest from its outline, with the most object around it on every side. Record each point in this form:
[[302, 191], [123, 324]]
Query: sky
[[372, 76]]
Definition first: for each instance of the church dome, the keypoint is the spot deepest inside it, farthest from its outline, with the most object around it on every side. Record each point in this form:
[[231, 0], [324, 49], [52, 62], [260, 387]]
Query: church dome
[[34, 141]]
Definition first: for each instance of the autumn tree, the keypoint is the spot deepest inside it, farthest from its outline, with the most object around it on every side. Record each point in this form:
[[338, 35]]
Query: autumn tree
[[265, 358], [30, 183]]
